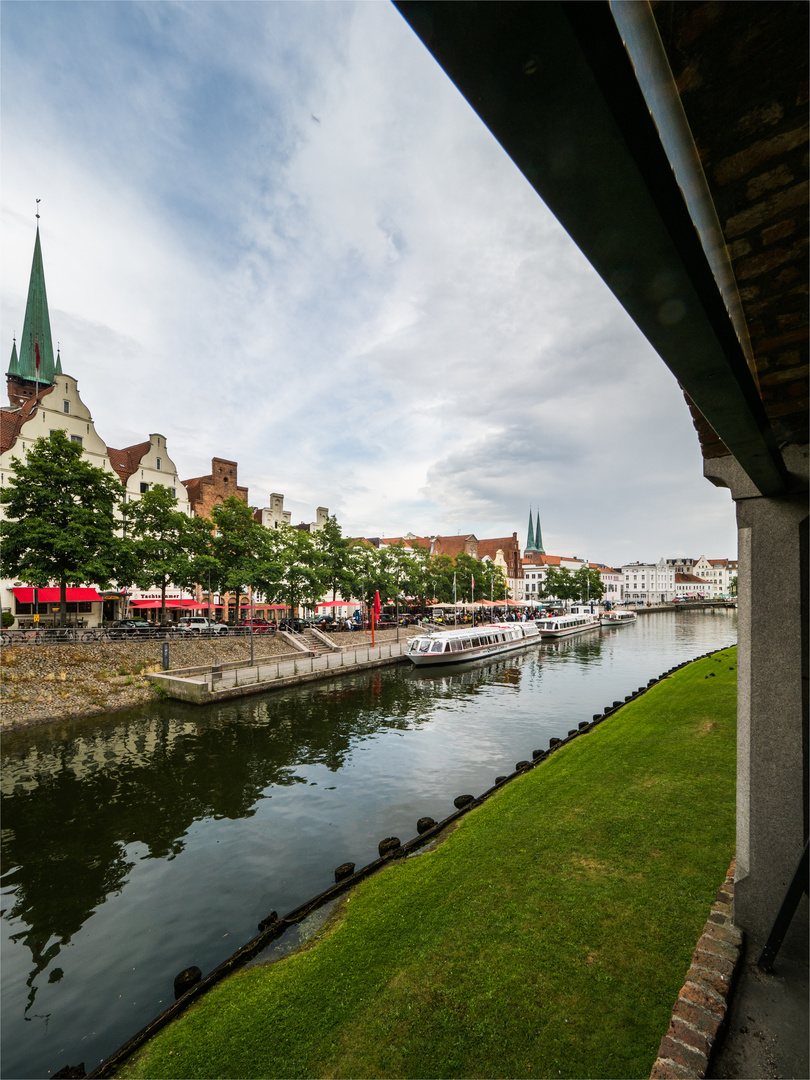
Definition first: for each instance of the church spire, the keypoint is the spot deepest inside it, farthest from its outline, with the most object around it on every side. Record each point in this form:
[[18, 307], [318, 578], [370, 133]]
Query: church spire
[[36, 328], [14, 363], [538, 539], [530, 537]]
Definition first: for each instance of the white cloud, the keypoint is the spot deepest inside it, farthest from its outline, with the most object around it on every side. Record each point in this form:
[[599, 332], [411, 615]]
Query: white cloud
[[276, 233]]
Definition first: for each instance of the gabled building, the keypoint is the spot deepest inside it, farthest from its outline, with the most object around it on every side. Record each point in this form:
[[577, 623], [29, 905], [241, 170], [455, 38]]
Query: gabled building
[[42, 399]]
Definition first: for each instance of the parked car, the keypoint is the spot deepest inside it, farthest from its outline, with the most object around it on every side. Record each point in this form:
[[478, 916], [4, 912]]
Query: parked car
[[196, 624], [131, 626], [257, 626]]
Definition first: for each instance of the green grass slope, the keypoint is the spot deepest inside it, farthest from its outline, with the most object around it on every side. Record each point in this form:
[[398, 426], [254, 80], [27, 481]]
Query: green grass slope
[[546, 936]]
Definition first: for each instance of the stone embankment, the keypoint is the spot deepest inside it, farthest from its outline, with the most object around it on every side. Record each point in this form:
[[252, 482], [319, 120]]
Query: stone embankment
[[45, 683]]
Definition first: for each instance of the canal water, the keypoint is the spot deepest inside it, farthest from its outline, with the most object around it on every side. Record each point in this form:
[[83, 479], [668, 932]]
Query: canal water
[[138, 844]]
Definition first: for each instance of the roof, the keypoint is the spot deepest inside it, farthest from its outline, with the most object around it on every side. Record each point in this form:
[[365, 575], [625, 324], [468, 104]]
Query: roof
[[12, 420], [125, 462], [689, 579], [36, 328]]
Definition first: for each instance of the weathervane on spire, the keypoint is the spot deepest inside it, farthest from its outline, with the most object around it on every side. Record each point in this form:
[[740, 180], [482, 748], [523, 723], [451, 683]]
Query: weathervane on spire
[[38, 202]]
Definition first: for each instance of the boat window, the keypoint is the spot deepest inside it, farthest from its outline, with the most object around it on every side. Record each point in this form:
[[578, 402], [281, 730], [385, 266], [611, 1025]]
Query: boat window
[[438, 646], [455, 645], [424, 645]]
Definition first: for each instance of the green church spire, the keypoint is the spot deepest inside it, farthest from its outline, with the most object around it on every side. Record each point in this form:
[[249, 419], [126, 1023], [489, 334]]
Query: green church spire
[[36, 328], [530, 537], [58, 369], [14, 363], [538, 539]]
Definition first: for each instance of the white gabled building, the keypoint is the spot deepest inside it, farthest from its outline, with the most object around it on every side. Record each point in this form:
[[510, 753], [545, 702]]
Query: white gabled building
[[43, 399]]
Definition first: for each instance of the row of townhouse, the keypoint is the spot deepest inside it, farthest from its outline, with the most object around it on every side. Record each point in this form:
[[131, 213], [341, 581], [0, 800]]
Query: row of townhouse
[[42, 399]]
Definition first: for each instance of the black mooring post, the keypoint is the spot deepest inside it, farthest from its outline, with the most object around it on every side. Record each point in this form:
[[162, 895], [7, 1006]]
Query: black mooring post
[[786, 912], [165, 656]]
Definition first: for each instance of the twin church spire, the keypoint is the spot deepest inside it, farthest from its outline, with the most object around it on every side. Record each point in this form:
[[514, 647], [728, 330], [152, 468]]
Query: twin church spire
[[534, 539]]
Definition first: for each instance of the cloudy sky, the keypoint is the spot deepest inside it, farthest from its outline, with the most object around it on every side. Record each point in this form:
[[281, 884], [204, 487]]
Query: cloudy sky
[[276, 233]]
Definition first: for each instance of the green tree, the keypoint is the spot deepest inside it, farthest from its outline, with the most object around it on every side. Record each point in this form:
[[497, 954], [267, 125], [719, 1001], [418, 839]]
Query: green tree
[[589, 584], [161, 541], [299, 576], [560, 584], [333, 552], [242, 554], [493, 582], [59, 522]]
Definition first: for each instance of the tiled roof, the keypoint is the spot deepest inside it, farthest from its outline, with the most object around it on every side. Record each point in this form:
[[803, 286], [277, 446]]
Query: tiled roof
[[689, 579], [11, 420], [126, 461]]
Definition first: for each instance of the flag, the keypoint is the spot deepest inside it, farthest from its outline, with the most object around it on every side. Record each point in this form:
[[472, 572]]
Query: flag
[[36, 350], [377, 604], [473, 582]]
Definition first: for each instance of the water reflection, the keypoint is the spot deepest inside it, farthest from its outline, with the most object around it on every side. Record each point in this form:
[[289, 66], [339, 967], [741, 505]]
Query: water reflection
[[136, 845]]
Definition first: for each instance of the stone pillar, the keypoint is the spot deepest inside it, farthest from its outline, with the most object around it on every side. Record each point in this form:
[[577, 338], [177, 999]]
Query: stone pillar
[[772, 720]]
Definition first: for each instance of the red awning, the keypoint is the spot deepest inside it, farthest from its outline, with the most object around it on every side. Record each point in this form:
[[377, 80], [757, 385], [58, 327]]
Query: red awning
[[25, 595], [335, 603]]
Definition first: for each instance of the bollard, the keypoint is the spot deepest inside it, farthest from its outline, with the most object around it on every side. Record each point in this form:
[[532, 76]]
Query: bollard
[[573, 731], [385, 847], [165, 656], [345, 870], [500, 779], [554, 742], [583, 724], [538, 754], [423, 824], [521, 765], [187, 978], [463, 800], [271, 920]]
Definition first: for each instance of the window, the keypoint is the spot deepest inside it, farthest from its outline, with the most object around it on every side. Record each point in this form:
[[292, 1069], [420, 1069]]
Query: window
[[158, 463], [66, 407], [76, 439], [144, 487]]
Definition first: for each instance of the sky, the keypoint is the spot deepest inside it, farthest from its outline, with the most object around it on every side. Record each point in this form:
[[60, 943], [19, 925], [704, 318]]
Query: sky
[[276, 233]]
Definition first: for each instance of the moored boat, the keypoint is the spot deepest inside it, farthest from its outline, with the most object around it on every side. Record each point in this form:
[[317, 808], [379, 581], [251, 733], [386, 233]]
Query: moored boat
[[557, 626], [617, 617], [470, 643]]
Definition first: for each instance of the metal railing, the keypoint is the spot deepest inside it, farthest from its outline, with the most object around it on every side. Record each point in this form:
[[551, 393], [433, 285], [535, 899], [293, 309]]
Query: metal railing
[[269, 672]]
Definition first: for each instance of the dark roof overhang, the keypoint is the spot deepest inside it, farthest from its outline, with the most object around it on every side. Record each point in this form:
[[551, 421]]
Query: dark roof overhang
[[555, 84]]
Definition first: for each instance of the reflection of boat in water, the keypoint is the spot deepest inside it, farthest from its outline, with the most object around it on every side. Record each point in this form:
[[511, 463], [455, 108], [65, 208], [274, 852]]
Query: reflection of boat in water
[[617, 617], [470, 643], [558, 626]]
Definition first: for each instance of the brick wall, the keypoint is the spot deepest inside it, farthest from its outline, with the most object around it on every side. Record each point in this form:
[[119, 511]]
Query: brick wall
[[742, 71]]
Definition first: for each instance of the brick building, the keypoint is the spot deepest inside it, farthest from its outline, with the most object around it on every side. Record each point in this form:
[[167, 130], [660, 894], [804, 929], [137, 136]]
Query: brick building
[[206, 492]]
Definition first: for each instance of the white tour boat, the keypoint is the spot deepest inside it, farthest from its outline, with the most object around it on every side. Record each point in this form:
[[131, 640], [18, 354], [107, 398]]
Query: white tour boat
[[617, 617], [470, 643], [557, 626]]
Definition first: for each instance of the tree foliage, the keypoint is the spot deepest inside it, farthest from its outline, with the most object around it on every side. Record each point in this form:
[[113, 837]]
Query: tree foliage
[[59, 520], [160, 539]]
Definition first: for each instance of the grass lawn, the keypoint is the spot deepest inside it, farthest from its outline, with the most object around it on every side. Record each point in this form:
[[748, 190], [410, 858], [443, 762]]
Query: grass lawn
[[548, 935]]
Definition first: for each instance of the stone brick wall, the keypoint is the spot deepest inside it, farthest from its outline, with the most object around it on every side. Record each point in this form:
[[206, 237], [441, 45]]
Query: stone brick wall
[[700, 1011]]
